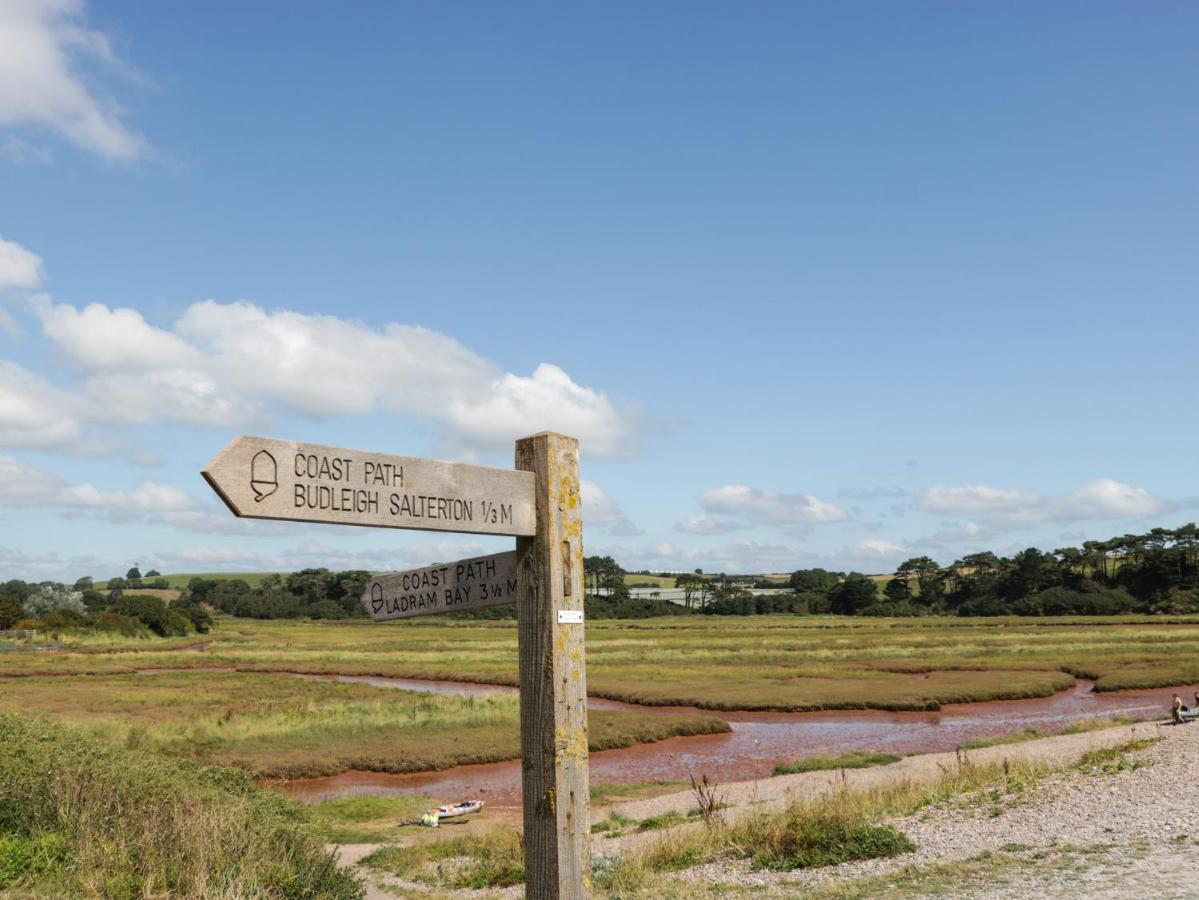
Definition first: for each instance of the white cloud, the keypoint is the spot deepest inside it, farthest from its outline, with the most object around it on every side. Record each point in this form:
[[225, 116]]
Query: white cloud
[[876, 548], [34, 413], [970, 499], [1103, 498], [97, 337], [314, 554], [221, 365], [759, 507], [708, 525], [601, 511], [43, 45], [734, 558], [1106, 498], [47, 565], [19, 268], [24, 485]]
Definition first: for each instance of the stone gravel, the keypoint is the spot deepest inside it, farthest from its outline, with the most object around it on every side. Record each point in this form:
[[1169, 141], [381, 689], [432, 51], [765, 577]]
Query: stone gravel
[[1145, 821]]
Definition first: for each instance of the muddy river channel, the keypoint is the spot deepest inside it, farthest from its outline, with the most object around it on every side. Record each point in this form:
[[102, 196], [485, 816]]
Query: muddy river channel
[[758, 741]]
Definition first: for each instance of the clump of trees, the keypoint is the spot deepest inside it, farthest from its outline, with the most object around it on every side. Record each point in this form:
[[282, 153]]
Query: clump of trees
[[53, 606], [309, 593]]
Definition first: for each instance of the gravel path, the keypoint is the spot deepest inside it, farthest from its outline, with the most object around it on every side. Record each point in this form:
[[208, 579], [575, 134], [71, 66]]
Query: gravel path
[[771, 793], [1125, 833]]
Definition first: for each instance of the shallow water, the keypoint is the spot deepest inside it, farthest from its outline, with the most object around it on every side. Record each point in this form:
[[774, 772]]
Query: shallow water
[[758, 741]]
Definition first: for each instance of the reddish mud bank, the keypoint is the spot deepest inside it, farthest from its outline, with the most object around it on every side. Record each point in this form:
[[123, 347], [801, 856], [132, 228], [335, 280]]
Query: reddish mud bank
[[758, 742]]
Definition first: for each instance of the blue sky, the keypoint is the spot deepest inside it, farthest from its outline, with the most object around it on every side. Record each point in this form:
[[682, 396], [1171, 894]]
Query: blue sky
[[815, 284]]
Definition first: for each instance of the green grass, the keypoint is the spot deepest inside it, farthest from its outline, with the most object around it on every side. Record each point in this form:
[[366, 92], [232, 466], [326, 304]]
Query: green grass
[[853, 759], [1080, 726], [491, 859], [365, 818], [610, 793], [82, 818], [28, 859], [612, 824], [1110, 760], [667, 819]]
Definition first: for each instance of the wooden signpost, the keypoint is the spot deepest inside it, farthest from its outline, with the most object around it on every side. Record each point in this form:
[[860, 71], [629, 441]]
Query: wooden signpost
[[539, 503]]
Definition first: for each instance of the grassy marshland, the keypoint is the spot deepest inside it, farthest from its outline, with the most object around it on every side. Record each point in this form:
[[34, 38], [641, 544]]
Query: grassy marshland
[[286, 727], [757, 662]]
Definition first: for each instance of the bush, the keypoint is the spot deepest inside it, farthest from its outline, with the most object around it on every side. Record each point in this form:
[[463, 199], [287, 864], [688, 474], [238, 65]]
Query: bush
[[11, 612], [1177, 602], [892, 609], [115, 623], [55, 598], [141, 824], [985, 606], [157, 616], [830, 840], [326, 609], [27, 857]]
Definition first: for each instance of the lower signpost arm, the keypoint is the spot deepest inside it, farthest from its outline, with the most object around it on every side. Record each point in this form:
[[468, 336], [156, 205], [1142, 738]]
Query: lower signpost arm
[[553, 680]]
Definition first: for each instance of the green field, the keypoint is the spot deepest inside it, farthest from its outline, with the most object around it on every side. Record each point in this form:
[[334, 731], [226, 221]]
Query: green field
[[658, 581]]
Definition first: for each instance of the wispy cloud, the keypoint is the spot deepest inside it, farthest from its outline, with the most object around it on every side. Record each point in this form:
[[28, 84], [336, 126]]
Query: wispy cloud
[[601, 511], [1103, 498], [48, 64], [754, 506], [19, 268]]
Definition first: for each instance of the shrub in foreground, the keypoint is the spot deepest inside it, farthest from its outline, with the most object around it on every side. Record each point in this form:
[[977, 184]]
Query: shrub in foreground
[[80, 817], [852, 759]]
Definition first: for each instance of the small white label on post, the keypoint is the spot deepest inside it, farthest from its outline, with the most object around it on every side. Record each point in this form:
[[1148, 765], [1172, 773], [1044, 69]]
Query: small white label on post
[[570, 617]]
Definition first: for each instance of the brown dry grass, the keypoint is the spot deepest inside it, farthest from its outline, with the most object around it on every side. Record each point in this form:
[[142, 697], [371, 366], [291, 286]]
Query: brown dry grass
[[279, 726]]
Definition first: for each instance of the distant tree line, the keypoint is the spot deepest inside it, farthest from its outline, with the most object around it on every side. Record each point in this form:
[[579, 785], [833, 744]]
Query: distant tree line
[[1153, 572], [309, 593]]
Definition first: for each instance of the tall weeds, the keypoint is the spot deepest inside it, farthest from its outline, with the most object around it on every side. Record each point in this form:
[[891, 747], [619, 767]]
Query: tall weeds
[[142, 824]]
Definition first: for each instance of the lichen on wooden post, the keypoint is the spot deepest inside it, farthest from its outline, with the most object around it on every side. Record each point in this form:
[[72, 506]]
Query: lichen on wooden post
[[553, 679]]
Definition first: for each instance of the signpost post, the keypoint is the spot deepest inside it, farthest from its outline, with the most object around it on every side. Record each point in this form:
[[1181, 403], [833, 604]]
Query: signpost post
[[539, 503]]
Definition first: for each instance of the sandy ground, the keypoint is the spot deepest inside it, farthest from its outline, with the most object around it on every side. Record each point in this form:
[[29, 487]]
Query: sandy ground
[[1127, 833]]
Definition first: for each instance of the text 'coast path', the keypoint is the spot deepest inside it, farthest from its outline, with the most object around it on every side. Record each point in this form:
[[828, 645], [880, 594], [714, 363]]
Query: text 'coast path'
[[265, 478]]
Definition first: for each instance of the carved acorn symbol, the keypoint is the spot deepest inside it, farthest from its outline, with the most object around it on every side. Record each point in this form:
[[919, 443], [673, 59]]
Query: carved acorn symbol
[[376, 597], [264, 475]]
